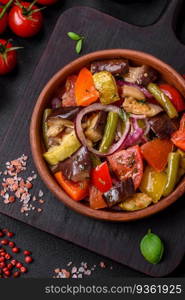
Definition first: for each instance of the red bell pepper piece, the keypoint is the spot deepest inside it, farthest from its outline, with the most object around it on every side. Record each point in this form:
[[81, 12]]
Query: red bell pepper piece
[[101, 178], [156, 153], [77, 191], [174, 95], [96, 200], [178, 137], [85, 91]]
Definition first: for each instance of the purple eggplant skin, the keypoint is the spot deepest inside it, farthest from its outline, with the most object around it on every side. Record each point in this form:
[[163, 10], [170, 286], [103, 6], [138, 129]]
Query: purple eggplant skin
[[119, 192], [142, 75], [114, 66], [68, 113], [162, 126], [78, 166]]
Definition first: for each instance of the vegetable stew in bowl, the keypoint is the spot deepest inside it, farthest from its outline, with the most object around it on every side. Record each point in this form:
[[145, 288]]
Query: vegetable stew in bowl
[[114, 136]]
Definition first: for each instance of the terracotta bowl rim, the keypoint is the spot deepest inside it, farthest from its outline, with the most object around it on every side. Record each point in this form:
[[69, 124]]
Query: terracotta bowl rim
[[35, 140]]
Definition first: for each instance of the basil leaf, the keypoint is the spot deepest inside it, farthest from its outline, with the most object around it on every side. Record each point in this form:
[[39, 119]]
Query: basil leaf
[[74, 36], [79, 45]]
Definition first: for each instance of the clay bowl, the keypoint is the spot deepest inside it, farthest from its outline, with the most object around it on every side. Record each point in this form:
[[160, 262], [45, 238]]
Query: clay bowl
[[167, 73]]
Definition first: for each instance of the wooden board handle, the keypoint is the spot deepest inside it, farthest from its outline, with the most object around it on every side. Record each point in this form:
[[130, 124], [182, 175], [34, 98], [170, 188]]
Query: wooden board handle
[[169, 17]]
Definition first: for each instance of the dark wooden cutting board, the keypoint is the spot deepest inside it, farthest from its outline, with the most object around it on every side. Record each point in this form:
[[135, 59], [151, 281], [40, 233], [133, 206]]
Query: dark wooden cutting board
[[116, 241]]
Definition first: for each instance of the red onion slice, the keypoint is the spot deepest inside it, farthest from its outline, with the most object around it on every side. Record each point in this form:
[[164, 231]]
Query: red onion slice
[[147, 127], [135, 137], [108, 108], [137, 116]]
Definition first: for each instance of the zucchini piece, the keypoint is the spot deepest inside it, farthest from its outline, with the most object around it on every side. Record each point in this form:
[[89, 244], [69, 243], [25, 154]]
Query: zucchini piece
[[106, 85], [69, 145]]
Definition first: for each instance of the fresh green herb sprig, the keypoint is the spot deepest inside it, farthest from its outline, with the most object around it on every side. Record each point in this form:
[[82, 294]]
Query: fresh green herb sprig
[[79, 40]]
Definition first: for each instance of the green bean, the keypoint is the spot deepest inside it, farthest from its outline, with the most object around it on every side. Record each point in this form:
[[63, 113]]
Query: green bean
[[47, 112], [172, 172], [109, 132], [163, 100]]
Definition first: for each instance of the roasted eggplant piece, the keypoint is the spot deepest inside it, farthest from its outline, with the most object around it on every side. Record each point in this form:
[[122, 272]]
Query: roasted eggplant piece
[[78, 166], [57, 125], [119, 192], [68, 113], [114, 66], [141, 75], [139, 107], [162, 126], [95, 126], [132, 91]]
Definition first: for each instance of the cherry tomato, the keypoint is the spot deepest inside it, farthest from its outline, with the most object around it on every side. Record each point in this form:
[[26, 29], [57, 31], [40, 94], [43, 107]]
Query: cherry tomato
[[174, 96], [3, 21], [8, 57], [4, 1], [25, 19], [4, 15], [128, 163], [46, 2]]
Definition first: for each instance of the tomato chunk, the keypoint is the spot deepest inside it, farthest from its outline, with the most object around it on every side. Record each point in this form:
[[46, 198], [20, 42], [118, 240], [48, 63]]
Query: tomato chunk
[[101, 178], [128, 163], [156, 153]]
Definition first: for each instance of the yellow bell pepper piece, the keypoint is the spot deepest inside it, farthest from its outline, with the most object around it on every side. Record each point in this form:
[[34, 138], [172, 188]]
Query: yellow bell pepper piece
[[153, 183]]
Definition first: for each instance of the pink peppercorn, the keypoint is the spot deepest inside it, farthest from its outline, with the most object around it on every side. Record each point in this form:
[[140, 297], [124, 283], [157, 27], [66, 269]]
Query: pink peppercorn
[[28, 259], [2, 265], [16, 274], [13, 262], [15, 250], [10, 266], [8, 256], [23, 269], [18, 265], [5, 269], [2, 259], [4, 242], [11, 244], [27, 252], [10, 234], [7, 273]]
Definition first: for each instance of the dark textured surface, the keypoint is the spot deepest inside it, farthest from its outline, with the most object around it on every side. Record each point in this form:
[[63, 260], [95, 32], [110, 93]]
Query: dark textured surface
[[65, 221]]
